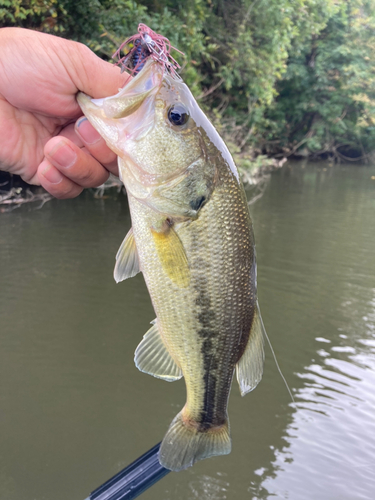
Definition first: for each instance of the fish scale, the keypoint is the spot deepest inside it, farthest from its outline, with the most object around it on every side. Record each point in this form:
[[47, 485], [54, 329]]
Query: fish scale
[[214, 252], [192, 239]]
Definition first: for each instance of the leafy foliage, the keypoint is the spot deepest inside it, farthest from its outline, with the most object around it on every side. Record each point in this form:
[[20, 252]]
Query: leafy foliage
[[326, 101], [277, 76]]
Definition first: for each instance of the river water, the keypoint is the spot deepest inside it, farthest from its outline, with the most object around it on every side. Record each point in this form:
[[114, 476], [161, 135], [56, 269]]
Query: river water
[[74, 410]]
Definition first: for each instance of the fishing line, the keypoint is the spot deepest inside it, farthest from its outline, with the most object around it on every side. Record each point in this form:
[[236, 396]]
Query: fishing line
[[278, 367]]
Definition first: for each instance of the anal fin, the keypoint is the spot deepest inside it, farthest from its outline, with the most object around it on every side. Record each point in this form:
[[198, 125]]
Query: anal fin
[[127, 261], [249, 368], [152, 357]]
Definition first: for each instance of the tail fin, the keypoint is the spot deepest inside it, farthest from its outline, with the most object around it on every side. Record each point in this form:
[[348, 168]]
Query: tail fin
[[184, 445]]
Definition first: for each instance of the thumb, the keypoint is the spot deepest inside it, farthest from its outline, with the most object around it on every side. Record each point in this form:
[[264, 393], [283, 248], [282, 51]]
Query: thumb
[[92, 75]]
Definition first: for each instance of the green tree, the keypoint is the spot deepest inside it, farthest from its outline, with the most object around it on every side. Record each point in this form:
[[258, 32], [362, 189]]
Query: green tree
[[276, 76], [326, 102]]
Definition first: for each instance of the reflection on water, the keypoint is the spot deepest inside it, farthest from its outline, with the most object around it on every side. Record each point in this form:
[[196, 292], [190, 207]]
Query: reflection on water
[[331, 446], [209, 488], [74, 409]]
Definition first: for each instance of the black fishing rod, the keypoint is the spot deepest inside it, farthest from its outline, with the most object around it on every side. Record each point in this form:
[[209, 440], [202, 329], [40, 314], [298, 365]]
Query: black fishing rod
[[133, 480]]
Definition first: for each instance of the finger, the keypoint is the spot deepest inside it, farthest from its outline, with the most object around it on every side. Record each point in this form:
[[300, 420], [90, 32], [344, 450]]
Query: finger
[[74, 163], [69, 133], [82, 133], [56, 183], [90, 74], [96, 145]]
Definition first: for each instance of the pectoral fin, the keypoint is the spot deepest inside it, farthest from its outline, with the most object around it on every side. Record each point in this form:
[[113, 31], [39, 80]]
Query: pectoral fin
[[152, 357], [127, 261], [172, 256], [249, 369]]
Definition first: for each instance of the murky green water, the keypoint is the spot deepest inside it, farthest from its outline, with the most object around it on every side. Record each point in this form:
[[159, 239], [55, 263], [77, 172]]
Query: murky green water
[[74, 409]]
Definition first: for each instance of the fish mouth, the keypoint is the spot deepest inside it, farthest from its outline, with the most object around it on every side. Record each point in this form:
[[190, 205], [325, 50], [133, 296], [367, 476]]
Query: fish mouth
[[130, 98], [115, 117]]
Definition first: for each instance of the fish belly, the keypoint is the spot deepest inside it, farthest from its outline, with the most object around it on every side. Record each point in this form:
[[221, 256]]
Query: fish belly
[[206, 324]]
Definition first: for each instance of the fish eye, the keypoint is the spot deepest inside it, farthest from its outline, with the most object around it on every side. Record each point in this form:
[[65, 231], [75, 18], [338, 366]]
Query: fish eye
[[178, 114]]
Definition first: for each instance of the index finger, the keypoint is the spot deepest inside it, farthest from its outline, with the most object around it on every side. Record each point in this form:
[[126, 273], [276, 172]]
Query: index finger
[[96, 145]]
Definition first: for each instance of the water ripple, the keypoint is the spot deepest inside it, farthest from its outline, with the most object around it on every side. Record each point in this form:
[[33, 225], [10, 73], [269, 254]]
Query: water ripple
[[331, 438]]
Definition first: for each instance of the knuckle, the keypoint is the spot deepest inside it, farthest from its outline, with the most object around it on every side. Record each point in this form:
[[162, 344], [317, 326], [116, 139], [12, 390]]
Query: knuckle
[[101, 153], [84, 176], [109, 157], [88, 172], [93, 179]]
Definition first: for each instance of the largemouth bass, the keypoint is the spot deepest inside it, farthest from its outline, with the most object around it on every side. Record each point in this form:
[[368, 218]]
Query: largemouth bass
[[192, 239]]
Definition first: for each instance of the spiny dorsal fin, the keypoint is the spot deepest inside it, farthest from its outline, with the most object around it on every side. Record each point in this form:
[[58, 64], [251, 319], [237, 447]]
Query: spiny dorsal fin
[[172, 256], [152, 357], [127, 261], [249, 369]]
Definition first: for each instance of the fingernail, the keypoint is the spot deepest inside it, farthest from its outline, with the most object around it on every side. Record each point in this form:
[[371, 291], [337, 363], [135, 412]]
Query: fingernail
[[87, 132], [52, 174], [63, 155]]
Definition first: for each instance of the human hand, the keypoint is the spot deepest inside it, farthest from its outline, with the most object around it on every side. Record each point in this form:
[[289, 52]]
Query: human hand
[[40, 76]]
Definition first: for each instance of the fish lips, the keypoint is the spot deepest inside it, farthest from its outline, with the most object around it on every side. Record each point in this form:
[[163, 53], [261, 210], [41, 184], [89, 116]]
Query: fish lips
[[111, 116], [133, 94]]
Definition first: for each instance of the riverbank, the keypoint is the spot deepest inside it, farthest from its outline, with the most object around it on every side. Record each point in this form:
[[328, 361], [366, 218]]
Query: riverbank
[[254, 171], [14, 192]]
